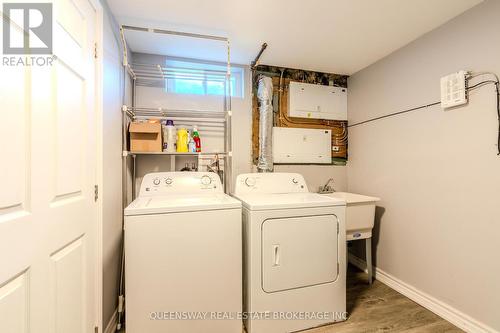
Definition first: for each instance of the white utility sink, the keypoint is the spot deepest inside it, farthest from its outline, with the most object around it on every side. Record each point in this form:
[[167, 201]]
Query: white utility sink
[[360, 214], [359, 221]]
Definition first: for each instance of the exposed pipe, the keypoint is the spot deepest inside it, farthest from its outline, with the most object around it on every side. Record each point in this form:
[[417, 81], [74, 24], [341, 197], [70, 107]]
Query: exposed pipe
[[256, 60], [266, 115], [337, 139], [280, 94]]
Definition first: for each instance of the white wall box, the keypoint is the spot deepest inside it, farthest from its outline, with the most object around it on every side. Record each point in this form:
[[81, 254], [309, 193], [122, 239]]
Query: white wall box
[[315, 101], [453, 90], [302, 145]]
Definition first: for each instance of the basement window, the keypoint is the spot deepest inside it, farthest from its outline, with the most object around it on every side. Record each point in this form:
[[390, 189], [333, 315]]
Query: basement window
[[202, 78]]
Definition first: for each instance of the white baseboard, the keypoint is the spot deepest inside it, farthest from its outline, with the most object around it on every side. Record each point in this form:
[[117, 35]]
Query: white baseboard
[[445, 311], [111, 326]]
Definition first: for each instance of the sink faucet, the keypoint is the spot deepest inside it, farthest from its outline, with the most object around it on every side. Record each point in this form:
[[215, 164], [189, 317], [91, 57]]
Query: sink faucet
[[327, 188]]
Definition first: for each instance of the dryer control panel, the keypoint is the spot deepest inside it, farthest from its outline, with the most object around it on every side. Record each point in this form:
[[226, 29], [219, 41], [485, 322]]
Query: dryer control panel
[[268, 183], [161, 183]]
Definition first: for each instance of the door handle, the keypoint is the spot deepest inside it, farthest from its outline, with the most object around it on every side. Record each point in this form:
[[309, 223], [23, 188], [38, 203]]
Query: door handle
[[276, 252]]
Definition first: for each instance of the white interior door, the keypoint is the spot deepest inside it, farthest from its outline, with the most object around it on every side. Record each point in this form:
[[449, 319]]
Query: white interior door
[[48, 217]]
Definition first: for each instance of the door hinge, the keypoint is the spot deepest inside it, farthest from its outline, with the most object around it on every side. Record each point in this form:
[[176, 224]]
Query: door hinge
[[96, 192], [338, 227], [96, 329], [95, 50]]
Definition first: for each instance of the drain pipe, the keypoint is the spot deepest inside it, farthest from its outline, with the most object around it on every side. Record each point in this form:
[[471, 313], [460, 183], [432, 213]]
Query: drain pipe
[[264, 95]]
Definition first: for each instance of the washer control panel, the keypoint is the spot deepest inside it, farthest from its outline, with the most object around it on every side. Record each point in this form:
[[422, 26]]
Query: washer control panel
[[270, 183], [159, 183]]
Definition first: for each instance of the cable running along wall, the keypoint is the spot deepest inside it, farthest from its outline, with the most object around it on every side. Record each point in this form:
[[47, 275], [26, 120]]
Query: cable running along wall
[[478, 85]]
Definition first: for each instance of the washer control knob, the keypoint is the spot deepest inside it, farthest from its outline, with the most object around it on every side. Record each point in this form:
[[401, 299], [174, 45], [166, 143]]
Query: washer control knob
[[168, 181], [250, 181], [295, 181], [206, 180], [156, 181]]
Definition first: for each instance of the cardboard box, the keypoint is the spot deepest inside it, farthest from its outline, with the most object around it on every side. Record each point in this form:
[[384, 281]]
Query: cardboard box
[[145, 137]]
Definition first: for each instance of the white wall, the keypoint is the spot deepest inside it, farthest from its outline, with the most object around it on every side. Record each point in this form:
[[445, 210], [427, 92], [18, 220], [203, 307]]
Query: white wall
[[111, 191], [437, 172]]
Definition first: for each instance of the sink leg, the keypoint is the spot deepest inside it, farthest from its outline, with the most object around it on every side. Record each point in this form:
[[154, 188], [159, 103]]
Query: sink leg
[[369, 265]]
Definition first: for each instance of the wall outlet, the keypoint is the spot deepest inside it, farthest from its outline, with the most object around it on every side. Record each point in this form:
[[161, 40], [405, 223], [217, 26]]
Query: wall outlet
[[454, 90]]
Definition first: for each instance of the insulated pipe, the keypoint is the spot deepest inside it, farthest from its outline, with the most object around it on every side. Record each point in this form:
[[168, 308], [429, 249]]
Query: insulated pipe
[[264, 95]]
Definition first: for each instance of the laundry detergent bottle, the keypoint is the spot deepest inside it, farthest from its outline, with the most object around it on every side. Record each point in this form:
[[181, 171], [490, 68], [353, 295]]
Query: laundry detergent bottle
[[169, 137], [182, 140]]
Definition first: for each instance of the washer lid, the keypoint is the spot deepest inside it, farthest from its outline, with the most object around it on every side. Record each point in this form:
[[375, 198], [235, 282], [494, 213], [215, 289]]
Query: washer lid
[[287, 200], [180, 203]]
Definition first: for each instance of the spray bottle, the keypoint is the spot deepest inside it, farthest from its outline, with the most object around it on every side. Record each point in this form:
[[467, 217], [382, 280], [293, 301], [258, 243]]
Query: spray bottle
[[196, 139]]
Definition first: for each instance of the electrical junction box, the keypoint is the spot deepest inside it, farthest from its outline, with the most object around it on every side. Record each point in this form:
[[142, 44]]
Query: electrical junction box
[[302, 145], [316, 101], [454, 90]]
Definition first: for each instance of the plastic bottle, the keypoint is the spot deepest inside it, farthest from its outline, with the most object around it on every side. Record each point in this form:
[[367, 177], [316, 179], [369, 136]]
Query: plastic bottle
[[182, 140], [164, 135], [197, 140], [191, 145], [169, 137]]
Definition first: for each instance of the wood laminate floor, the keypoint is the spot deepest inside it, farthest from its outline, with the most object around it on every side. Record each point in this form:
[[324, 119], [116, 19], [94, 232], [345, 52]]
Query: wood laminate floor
[[378, 308]]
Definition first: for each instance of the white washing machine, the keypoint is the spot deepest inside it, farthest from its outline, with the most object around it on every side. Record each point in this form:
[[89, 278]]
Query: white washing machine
[[183, 256], [294, 268]]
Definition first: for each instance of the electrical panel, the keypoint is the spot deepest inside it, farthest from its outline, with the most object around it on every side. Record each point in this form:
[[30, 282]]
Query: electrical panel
[[454, 90], [317, 101], [302, 145]]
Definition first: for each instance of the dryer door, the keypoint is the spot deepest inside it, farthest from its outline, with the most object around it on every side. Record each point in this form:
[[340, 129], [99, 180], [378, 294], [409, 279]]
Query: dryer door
[[299, 252]]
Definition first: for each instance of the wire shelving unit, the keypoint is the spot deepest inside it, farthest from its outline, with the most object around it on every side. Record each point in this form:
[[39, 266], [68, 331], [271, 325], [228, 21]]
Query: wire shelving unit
[[155, 75]]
